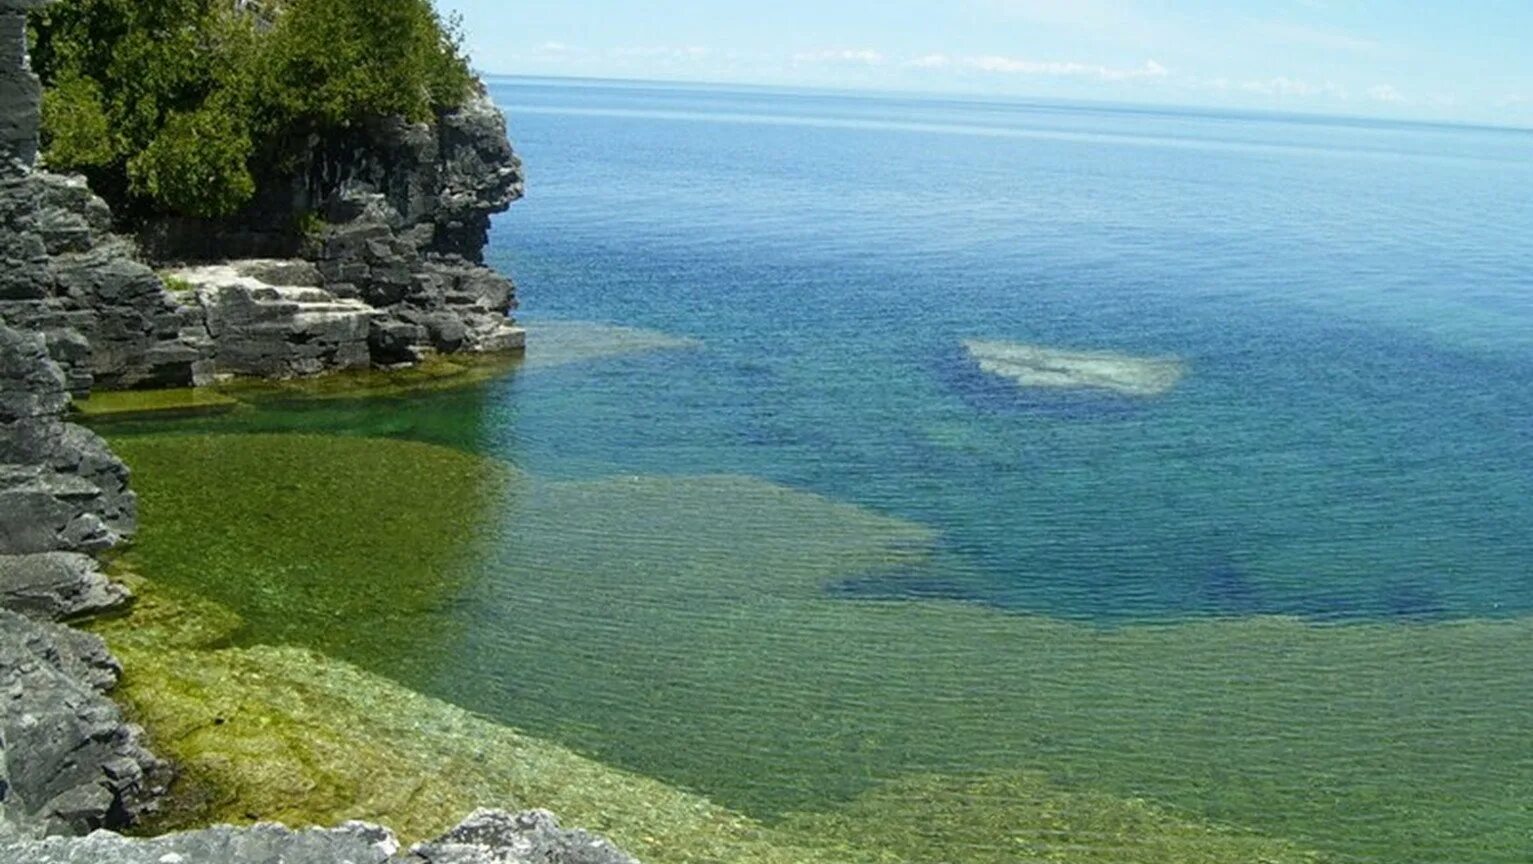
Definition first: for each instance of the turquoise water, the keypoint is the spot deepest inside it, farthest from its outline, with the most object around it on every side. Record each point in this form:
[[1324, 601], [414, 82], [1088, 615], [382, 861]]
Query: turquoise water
[[1290, 594], [1353, 302]]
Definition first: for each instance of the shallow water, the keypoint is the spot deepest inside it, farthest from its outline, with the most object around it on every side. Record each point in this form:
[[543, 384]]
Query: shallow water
[[789, 543]]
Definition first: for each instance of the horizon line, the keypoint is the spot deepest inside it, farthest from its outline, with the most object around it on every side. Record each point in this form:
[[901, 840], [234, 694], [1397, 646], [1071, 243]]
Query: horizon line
[[1271, 114]]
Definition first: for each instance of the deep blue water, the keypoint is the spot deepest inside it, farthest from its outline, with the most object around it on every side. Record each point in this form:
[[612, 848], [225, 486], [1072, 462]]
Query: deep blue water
[[1353, 300]]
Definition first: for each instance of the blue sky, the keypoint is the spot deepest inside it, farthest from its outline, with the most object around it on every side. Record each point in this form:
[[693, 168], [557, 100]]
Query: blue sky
[[1463, 60]]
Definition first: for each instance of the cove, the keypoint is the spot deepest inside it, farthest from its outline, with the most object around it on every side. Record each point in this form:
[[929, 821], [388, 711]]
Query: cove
[[793, 554]]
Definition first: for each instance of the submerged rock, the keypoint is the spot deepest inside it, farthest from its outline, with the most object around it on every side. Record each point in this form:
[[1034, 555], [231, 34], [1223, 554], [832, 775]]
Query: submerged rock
[[1035, 366]]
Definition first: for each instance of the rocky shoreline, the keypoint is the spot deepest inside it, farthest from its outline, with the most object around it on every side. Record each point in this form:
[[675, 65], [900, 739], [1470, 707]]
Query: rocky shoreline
[[388, 274]]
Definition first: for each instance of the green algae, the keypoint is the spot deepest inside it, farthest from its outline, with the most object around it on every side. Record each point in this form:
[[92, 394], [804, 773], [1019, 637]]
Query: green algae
[[679, 628], [435, 373], [288, 734], [134, 404], [1024, 817], [325, 534]]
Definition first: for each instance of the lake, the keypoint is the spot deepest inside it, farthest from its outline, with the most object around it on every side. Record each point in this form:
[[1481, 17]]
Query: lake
[[894, 469]]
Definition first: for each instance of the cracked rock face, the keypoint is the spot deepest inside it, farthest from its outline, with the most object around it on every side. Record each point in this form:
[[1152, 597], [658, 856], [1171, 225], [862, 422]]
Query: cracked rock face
[[406, 213], [57, 586], [270, 319]]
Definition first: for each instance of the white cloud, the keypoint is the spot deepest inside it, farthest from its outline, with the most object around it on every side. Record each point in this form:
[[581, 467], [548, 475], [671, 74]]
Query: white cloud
[[1386, 93], [852, 56]]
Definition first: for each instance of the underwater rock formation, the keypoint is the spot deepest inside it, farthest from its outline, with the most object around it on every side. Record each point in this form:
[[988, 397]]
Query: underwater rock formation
[[1034, 366]]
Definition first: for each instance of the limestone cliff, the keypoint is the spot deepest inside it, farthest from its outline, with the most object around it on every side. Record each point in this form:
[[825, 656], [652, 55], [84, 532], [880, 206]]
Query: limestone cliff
[[398, 259], [63, 273], [393, 214]]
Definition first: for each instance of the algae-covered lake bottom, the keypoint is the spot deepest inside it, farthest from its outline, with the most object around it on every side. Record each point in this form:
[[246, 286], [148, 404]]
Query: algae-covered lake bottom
[[680, 628], [778, 572]]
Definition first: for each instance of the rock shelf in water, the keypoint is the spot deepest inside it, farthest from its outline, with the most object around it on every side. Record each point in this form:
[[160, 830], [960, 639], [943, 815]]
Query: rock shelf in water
[[1034, 366]]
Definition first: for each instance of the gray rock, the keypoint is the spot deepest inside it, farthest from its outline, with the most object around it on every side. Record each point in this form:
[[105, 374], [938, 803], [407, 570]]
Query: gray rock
[[488, 837], [61, 488], [406, 210], [278, 331], [56, 586], [62, 272], [497, 837], [71, 763], [262, 844], [19, 91]]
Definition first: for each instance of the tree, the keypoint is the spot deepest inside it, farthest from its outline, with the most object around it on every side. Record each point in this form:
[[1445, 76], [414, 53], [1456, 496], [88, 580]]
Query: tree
[[178, 106]]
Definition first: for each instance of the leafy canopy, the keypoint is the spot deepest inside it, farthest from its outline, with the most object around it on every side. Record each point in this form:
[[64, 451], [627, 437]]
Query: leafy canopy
[[178, 106]]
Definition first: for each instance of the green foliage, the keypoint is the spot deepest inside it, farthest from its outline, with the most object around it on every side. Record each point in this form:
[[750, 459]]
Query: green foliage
[[196, 164], [178, 106], [74, 112]]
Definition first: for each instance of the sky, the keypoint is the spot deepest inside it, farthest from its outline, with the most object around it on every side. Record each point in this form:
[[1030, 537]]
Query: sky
[[1451, 60]]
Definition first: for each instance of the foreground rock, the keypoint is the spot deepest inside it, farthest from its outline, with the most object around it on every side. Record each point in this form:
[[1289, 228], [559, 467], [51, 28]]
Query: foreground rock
[[56, 586], [70, 763], [1034, 366], [487, 837]]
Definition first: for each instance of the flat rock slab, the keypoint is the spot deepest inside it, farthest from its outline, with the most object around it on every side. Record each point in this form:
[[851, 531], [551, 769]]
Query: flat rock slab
[[129, 404], [1034, 366], [277, 330], [56, 586]]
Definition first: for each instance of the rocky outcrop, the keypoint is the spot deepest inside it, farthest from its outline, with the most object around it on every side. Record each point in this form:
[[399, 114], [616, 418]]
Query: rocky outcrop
[[68, 761], [398, 218], [409, 207], [63, 273], [71, 763], [57, 586], [61, 489], [397, 273], [488, 837], [271, 319]]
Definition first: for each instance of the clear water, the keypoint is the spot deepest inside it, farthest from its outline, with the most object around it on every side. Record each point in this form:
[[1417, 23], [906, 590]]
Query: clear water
[[1290, 595]]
